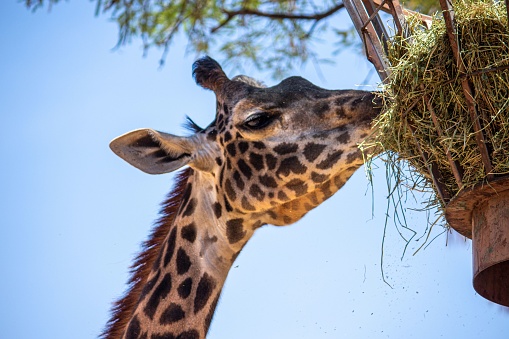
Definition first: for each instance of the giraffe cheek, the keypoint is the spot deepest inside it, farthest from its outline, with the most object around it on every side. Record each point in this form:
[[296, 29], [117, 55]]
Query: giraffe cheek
[[247, 204], [298, 187], [290, 165], [230, 191]]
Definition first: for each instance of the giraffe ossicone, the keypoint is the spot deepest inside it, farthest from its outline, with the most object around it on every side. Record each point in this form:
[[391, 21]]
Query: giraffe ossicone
[[271, 155]]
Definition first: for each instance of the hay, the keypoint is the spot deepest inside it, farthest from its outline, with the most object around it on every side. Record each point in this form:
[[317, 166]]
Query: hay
[[423, 68]]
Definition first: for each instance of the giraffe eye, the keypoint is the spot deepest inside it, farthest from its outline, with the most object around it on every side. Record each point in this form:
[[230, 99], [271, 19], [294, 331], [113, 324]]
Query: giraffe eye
[[258, 121]]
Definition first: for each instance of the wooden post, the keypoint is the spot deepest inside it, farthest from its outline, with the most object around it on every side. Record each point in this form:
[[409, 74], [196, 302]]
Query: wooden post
[[490, 246], [368, 34]]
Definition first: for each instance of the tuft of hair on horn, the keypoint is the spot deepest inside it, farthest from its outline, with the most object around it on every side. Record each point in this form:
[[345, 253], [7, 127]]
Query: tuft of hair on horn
[[208, 74]]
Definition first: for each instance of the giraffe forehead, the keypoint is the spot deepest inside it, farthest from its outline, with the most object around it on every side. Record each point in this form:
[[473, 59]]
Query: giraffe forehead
[[290, 91], [270, 99]]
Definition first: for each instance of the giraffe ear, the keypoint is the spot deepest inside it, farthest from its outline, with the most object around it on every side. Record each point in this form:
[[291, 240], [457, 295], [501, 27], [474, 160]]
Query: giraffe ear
[[153, 152]]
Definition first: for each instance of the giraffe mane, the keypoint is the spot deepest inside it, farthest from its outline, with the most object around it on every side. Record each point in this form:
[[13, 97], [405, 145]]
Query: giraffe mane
[[123, 308]]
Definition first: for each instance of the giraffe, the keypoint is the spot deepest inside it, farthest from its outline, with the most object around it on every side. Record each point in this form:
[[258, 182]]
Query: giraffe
[[270, 156]]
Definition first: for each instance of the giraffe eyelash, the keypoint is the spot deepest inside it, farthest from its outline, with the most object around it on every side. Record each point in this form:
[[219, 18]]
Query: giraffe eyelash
[[258, 121]]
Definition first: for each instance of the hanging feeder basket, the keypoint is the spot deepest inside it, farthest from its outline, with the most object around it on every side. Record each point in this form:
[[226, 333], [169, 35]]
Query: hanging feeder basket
[[463, 156]]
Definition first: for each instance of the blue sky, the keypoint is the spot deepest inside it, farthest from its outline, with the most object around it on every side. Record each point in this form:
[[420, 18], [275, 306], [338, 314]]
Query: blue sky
[[72, 214]]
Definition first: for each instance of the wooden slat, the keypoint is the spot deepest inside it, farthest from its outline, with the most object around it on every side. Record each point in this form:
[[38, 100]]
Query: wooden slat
[[456, 168], [450, 24], [371, 29], [372, 43], [436, 176], [426, 20]]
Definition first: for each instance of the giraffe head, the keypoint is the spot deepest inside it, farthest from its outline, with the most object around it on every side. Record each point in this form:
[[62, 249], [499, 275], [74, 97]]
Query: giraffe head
[[273, 152], [270, 155]]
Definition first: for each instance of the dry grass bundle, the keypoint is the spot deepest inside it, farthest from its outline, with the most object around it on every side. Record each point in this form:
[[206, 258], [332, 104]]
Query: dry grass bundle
[[424, 71]]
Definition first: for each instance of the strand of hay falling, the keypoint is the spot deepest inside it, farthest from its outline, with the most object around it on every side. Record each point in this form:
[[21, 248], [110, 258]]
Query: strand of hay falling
[[423, 67]]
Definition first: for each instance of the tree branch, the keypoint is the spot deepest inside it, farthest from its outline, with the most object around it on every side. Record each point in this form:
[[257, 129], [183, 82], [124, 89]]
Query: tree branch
[[278, 16]]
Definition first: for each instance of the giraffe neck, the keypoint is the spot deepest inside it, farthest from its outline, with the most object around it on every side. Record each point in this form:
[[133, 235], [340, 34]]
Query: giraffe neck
[[183, 287]]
